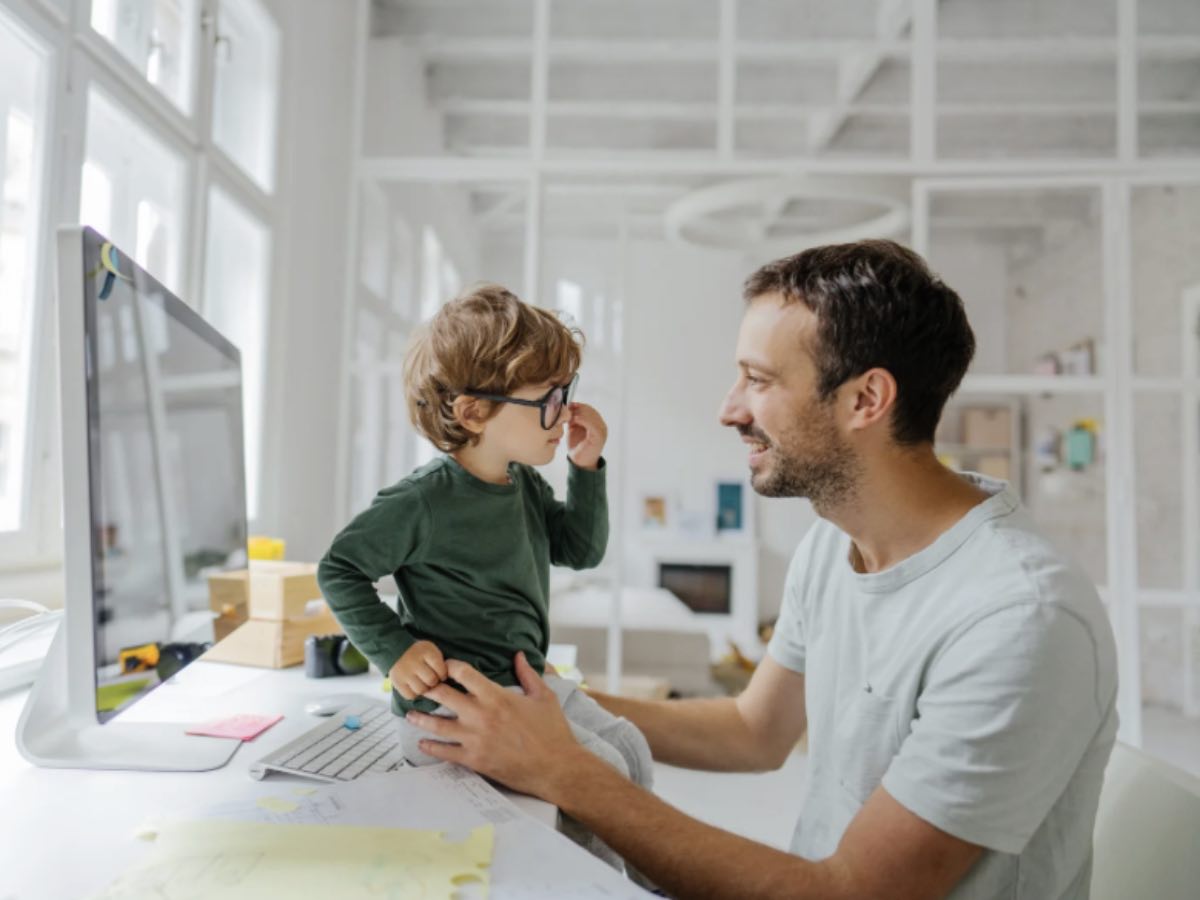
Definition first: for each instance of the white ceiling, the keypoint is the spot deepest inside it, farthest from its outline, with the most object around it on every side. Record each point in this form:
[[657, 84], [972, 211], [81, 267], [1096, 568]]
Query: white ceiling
[[823, 79]]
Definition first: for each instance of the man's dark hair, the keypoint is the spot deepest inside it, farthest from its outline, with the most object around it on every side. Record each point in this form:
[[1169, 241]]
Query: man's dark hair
[[878, 305]]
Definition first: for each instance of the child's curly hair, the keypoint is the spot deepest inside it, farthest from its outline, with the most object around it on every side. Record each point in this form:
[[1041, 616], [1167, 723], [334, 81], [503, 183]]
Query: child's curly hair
[[486, 340]]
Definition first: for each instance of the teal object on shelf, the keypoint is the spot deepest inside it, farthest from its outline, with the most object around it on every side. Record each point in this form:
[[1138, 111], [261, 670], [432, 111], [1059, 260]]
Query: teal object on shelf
[[1080, 449]]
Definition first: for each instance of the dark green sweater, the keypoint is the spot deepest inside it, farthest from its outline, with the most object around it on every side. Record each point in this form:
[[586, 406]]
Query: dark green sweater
[[472, 560]]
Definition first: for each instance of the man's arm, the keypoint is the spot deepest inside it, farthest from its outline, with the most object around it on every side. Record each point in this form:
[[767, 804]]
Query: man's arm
[[525, 742], [753, 733], [887, 851]]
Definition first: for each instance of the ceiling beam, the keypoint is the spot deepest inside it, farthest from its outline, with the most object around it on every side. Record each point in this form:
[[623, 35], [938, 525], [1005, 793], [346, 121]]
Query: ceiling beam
[[513, 163], [695, 112], [855, 72], [727, 79], [619, 52], [503, 207]]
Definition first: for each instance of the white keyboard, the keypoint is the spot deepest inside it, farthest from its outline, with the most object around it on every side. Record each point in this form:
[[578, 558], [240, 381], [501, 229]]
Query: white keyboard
[[332, 752]]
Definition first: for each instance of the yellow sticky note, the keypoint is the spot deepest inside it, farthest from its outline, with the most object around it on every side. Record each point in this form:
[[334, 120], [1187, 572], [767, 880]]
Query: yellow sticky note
[[213, 860]]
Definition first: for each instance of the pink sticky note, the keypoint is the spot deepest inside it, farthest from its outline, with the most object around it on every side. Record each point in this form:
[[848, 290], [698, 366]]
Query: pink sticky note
[[244, 726]]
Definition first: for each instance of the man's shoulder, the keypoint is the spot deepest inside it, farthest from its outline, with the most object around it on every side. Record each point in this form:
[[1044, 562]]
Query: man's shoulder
[[1013, 553], [1013, 580]]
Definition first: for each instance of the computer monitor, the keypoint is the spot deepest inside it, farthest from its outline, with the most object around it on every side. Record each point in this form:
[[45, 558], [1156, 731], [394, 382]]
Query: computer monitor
[[154, 499]]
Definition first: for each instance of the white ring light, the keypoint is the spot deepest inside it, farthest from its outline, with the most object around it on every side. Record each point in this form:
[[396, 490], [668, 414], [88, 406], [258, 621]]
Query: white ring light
[[689, 220]]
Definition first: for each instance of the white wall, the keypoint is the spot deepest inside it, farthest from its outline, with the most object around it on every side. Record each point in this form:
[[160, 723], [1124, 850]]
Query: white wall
[[681, 322], [307, 318], [398, 120], [1165, 223], [1055, 299], [979, 273], [1050, 299]]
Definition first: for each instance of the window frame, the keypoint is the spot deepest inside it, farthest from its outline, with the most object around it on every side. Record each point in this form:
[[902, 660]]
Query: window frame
[[78, 57]]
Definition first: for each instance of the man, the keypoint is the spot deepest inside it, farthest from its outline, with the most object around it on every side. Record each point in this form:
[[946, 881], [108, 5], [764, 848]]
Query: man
[[956, 674]]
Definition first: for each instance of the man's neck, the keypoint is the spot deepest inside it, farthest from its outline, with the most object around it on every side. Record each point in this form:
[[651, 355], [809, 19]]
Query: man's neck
[[483, 463], [900, 507]]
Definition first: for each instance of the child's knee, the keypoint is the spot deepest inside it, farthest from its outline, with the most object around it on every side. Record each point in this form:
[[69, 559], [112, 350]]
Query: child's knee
[[629, 741], [601, 748]]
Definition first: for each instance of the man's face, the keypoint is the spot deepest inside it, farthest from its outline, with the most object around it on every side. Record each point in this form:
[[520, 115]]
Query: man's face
[[796, 448]]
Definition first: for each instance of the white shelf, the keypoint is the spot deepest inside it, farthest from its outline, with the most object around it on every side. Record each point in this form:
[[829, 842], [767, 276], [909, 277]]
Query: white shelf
[[1032, 384], [968, 450]]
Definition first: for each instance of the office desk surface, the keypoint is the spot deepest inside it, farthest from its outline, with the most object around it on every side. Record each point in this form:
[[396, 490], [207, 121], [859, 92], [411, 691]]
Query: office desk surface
[[68, 833]]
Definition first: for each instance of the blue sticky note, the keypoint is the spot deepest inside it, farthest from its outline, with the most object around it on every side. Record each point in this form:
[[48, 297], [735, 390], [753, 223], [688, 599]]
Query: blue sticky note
[[353, 723]]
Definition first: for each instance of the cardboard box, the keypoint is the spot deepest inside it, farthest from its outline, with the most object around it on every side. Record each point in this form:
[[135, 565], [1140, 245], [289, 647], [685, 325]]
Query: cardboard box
[[994, 466], [987, 426], [264, 614]]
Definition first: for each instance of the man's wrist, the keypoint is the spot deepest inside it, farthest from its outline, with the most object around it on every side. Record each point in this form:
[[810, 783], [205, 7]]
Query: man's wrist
[[568, 773]]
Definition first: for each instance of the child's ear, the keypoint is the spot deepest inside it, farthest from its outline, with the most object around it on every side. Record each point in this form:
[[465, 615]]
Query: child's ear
[[469, 413]]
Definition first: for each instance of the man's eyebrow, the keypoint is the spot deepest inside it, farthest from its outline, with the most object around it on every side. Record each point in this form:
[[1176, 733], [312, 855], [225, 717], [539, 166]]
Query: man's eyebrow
[[756, 366]]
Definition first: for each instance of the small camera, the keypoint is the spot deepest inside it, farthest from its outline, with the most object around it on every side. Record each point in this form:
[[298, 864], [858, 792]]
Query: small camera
[[327, 655]]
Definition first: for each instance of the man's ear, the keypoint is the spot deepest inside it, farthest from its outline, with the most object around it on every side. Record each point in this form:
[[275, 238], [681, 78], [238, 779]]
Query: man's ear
[[469, 413], [871, 398]]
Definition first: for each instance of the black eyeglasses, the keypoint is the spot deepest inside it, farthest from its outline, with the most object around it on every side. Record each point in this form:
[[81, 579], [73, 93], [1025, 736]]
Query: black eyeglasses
[[551, 405]]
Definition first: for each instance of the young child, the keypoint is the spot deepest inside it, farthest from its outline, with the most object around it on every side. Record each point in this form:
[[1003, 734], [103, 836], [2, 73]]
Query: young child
[[470, 537]]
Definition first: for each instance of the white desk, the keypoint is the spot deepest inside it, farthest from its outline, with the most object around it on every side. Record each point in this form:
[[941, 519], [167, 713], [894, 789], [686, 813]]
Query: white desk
[[68, 833]]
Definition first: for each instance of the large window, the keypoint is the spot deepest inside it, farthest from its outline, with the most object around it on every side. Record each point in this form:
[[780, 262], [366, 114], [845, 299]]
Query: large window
[[165, 117], [236, 293], [440, 280], [23, 72], [134, 189], [157, 37], [246, 88]]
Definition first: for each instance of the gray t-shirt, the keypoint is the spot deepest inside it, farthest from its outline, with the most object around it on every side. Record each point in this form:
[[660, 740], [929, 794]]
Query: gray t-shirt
[[975, 680]]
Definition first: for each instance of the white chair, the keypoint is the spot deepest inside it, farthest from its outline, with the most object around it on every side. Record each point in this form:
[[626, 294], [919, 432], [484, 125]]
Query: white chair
[[1147, 838]]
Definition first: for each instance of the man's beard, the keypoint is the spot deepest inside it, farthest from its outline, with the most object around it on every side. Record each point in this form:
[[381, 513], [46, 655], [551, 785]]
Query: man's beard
[[816, 463]]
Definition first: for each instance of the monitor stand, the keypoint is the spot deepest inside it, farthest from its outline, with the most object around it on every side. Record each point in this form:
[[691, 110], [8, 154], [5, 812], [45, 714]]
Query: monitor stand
[[49, 735]]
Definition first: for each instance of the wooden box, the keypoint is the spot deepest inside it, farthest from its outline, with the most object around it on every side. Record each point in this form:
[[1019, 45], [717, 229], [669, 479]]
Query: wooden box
[[229, 599], [277, 597], [272, 643]]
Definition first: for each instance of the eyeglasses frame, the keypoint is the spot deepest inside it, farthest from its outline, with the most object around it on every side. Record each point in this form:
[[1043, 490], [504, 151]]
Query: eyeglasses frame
[[567, 389]]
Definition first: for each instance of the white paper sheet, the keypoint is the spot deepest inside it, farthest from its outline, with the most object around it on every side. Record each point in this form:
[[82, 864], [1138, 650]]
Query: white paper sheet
[[531, 861]]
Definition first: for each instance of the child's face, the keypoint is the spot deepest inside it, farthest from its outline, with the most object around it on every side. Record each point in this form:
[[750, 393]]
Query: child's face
[[517, 430]]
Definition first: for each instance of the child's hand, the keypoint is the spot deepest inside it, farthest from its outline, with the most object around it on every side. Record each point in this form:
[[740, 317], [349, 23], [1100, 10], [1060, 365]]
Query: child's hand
[[421, 667], [586, 434]]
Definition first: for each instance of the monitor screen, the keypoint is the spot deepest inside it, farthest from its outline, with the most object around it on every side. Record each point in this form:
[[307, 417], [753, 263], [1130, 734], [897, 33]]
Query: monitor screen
[[166, 472]]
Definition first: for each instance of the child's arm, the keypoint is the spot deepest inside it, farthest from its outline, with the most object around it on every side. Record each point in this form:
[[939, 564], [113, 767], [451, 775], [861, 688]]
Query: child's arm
[[421, 667], [578, 529], [390, 534]]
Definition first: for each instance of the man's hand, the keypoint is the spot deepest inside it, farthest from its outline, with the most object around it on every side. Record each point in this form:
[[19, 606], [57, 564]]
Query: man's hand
[[421, 667], [524, 742], [586, 434]]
